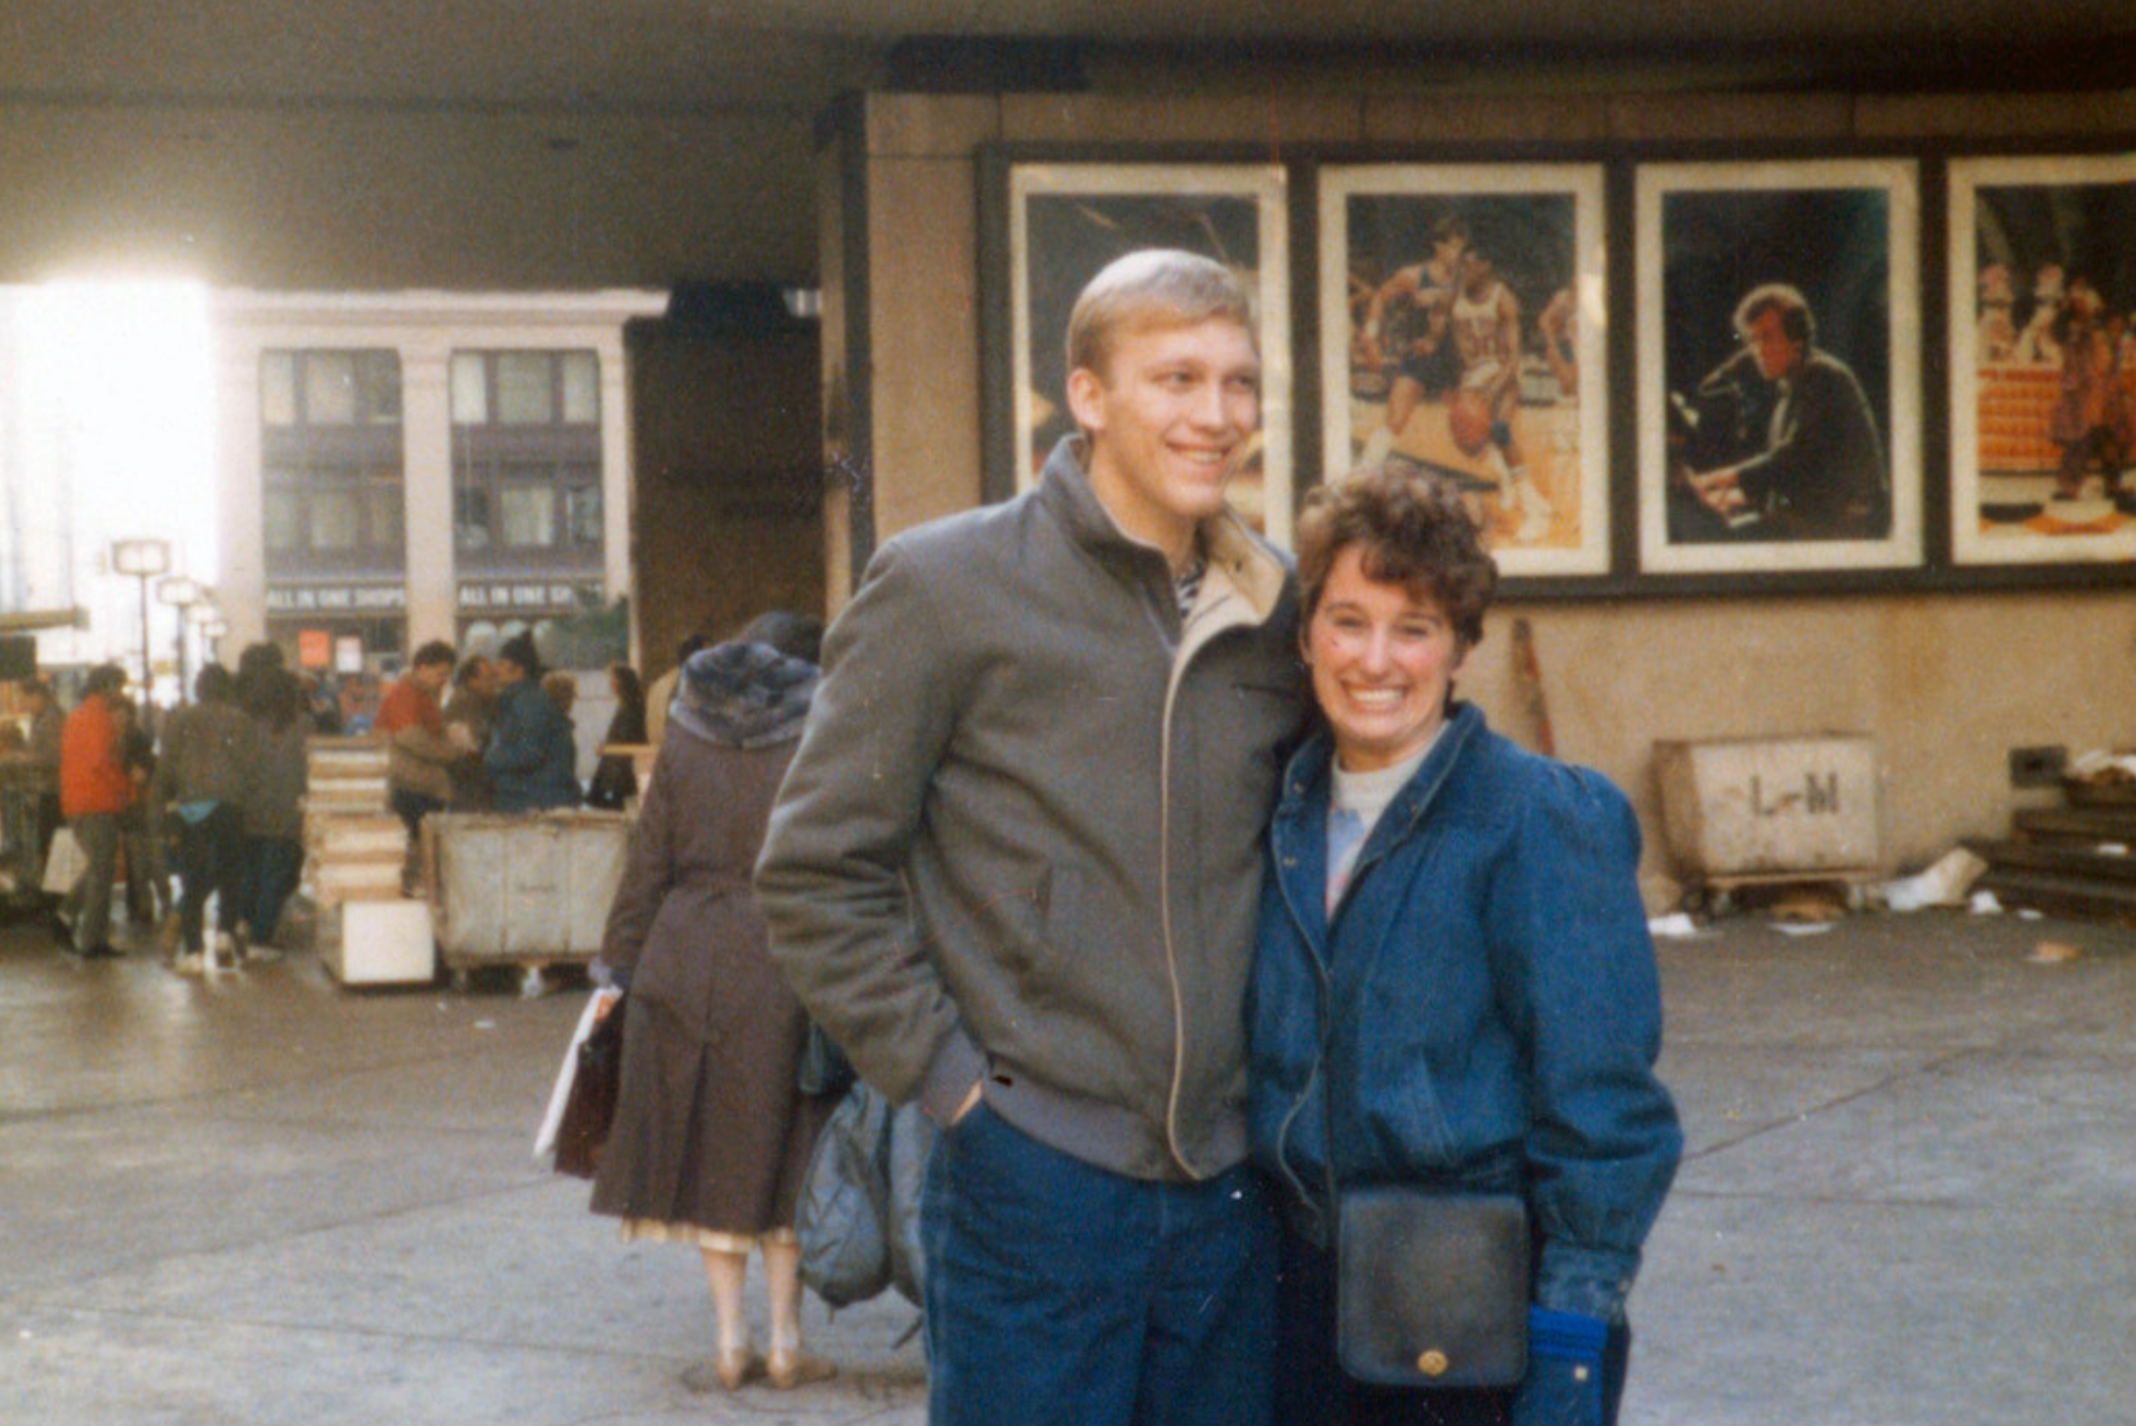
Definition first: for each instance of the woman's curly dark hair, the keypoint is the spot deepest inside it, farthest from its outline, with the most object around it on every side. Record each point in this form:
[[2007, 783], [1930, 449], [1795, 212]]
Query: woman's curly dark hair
[[1412, 529]]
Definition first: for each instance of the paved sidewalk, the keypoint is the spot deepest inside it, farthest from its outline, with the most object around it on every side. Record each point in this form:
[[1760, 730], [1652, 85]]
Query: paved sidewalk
[[1910, 1198]]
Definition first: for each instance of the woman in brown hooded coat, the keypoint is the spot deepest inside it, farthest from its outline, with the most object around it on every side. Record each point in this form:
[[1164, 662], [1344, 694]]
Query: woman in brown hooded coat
[[711, 1135]]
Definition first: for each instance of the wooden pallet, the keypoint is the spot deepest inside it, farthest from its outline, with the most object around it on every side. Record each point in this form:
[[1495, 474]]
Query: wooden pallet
[[1717, 893]]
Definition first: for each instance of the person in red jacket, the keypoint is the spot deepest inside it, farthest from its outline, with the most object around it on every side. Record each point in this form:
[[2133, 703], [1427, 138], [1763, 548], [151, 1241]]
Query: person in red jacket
[[94, 793]]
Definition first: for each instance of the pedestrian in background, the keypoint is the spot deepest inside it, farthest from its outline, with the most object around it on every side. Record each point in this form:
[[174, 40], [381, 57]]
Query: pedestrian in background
[[140, 832], [273, 809], [94, 793], [531, 758], [421, 753], [47, 720], [203, 776], [468, 712], [662, 691], [712, 1134], [562, 687], [615, 778]]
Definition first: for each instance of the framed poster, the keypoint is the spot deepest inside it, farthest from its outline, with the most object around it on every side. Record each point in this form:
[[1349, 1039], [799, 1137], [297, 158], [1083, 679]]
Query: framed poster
[[1464, 331], [1064, 222], [1779, 365], [2043, 359]]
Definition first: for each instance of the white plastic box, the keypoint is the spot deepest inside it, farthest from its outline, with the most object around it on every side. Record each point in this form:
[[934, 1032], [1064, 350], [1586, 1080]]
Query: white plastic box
[[381, 943]]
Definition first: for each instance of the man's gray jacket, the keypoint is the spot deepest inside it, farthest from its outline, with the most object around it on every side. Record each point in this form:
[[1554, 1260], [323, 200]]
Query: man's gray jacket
[[1020, 839]]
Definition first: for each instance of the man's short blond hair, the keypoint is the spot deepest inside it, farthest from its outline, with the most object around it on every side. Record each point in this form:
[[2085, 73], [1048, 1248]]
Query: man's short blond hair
[[1153, 287]]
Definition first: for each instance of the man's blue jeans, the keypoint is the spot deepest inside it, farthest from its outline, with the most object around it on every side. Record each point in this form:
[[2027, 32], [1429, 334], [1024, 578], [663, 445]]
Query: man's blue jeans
[[1058, 1292]]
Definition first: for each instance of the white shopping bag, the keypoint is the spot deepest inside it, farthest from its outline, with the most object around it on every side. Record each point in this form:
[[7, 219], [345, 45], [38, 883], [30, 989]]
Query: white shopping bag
[[65, 863], [545, 1139]]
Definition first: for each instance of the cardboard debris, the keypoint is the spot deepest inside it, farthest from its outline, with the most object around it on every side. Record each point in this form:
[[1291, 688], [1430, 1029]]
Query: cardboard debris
[[2102, 769], [1806, 908], [1944, 884], [2053, 953]]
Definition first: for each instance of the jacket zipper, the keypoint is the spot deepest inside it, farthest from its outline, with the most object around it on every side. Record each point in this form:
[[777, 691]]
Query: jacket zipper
[[1324, 985], [1182, 656]]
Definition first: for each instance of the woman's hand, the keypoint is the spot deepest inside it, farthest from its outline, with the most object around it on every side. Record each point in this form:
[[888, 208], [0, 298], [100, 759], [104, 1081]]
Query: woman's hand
[[1565, 1381]]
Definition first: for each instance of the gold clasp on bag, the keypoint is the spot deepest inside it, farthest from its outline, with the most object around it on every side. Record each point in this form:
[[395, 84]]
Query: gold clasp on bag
[[1433, 1363]]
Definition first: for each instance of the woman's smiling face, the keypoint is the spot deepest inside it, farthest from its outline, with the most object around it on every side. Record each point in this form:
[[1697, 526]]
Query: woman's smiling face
[[1383, 661]]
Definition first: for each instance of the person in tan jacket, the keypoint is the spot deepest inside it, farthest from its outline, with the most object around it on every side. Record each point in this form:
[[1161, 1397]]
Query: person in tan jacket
[[420, 752]]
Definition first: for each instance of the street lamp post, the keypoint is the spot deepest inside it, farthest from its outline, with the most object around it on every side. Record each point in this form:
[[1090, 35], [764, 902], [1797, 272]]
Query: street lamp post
[[181, 594], [213, 627], [144, 560]]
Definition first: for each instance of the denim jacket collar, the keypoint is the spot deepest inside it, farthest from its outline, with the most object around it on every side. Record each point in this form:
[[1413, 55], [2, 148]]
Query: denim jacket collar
[[1298, 831]]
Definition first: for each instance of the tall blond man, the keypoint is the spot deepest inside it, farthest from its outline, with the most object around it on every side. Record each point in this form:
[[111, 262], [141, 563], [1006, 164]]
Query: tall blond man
[[1013, 871]]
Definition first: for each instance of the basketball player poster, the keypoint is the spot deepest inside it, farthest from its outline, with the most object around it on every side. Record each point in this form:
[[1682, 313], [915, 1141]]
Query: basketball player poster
[[1463, 323], [2043, 359], [1779, 350], [1065, 221]]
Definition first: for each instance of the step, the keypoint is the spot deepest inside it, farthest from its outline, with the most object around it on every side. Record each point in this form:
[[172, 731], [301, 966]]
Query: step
[[2087, 824], [2062, 895], [2059, 858]]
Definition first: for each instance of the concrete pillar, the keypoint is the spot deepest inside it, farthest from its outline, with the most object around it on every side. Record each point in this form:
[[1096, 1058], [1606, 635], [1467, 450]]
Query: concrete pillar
[[616, 482], [242, 592], [426, 444]]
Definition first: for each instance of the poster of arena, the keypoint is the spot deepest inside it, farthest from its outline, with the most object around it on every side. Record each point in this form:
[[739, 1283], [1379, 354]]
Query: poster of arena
[[1068, 220], [2043, 359], [1463, 316], [1779, 365]]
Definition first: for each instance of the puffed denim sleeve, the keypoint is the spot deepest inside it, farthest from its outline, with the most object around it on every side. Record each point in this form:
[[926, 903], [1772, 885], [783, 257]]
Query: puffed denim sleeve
[[1574, 971]]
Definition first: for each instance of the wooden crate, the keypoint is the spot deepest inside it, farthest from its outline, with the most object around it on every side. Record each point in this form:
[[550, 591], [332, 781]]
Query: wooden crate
[[344, 775]]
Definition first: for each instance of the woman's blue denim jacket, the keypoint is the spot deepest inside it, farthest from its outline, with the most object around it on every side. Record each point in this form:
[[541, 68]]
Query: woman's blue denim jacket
[[1483, 1013]]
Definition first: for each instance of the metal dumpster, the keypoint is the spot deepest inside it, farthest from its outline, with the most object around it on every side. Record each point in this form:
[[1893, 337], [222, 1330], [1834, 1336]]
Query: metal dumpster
[[527, 890]]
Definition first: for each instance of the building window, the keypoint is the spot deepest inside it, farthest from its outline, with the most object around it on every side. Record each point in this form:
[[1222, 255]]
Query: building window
[[284, 520], [330, 438], [529, 516], [336, 520], [470, 518], [330, 388], [470, 389], [582, 516], [278, 388], [526, 388], [582, 389], [527, 464]]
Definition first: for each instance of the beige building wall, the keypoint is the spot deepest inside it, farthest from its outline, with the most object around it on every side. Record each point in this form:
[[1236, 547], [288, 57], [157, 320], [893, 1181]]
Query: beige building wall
[[425, 329], [1946, 682]]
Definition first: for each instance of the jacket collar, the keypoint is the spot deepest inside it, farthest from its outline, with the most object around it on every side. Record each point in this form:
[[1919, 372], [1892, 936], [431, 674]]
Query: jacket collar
[[1298, 831], [1301, 812], [1240, 562]]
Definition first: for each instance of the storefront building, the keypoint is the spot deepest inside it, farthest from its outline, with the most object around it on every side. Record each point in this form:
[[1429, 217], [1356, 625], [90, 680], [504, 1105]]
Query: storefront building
[[424, 466]]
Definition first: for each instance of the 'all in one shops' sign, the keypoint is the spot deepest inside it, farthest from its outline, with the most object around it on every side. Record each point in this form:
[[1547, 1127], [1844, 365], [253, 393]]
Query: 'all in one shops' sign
[[528, 596], [336, 598]]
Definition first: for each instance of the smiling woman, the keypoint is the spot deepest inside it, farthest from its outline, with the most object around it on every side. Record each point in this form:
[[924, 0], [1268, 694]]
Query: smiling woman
[[110, 436]]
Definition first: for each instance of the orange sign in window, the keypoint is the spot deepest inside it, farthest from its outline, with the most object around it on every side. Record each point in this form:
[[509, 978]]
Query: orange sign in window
[[315, 648]]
